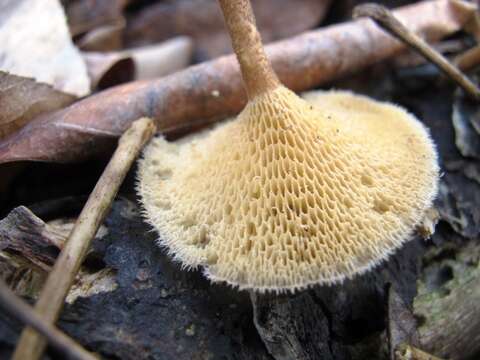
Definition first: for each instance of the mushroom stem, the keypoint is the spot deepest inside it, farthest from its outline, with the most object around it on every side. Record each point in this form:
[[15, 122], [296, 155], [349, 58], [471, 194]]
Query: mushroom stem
[[257, 72]]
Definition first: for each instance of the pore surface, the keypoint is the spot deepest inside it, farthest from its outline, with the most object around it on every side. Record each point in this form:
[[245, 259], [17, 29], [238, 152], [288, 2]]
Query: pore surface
[[292, 192]]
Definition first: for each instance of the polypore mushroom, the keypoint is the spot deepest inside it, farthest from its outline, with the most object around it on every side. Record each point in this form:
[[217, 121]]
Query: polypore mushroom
[[292, 192]]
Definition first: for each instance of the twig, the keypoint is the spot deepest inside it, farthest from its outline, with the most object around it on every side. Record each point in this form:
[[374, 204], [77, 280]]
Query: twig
[[408, 352], [24, 313], [52, 297], [468, 59], [385, 19]]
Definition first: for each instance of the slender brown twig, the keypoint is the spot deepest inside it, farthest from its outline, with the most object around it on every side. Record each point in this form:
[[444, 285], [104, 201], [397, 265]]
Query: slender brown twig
[[385, 19], [24, 313], [468, 59], [59, 281]]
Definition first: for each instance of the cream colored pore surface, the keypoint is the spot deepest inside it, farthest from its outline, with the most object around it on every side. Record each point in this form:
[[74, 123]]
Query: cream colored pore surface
[[292, 192]]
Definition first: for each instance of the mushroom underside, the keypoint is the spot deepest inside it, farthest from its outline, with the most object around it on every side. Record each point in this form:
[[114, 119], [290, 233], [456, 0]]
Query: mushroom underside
[[292, 192]]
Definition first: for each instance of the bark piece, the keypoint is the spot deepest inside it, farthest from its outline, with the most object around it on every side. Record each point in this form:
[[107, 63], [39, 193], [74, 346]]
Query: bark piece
[[448, 302], [402, 325], [21, 231], [21, 99], [36, 43], [213, 90]]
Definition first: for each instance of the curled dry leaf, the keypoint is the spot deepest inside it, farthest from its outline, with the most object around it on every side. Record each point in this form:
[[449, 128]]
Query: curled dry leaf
[[161, 59], [21, 99], [103, 38], [202, 20], [36, 43], [213, 90], [113, 68], [109, 69]]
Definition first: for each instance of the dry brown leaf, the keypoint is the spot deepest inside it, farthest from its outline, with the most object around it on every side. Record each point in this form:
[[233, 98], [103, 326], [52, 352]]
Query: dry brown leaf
[[202, 20], [107, 69], [103, 38], [21, 99], [161, 59], [35, 43], [85, 15], [213, 90]]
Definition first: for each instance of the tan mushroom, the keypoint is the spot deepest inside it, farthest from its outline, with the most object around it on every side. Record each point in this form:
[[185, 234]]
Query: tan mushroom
[[293, 192]]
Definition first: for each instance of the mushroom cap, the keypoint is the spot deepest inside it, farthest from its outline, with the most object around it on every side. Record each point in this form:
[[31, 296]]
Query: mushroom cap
[[292, 192]]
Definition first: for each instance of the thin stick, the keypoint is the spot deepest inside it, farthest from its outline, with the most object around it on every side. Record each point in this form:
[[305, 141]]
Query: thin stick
[[52, 297], [468, 59], [385, 19], [24, 313], [257, 71], [408, 352]]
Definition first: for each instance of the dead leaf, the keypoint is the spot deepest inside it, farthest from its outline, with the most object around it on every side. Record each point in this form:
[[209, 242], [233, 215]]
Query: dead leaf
[[107, 69], [202, 20], [402, 325], [85, 15], [161, 59], [103, 38], [213, 90], [21, 99], [36, 43], [466, 122]]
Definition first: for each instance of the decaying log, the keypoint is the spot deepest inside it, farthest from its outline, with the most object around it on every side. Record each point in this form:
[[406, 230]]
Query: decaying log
[[448, 302], [213, 90]]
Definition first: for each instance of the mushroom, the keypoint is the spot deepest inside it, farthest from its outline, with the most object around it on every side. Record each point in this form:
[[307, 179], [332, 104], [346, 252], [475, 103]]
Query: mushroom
[[293, 192]]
